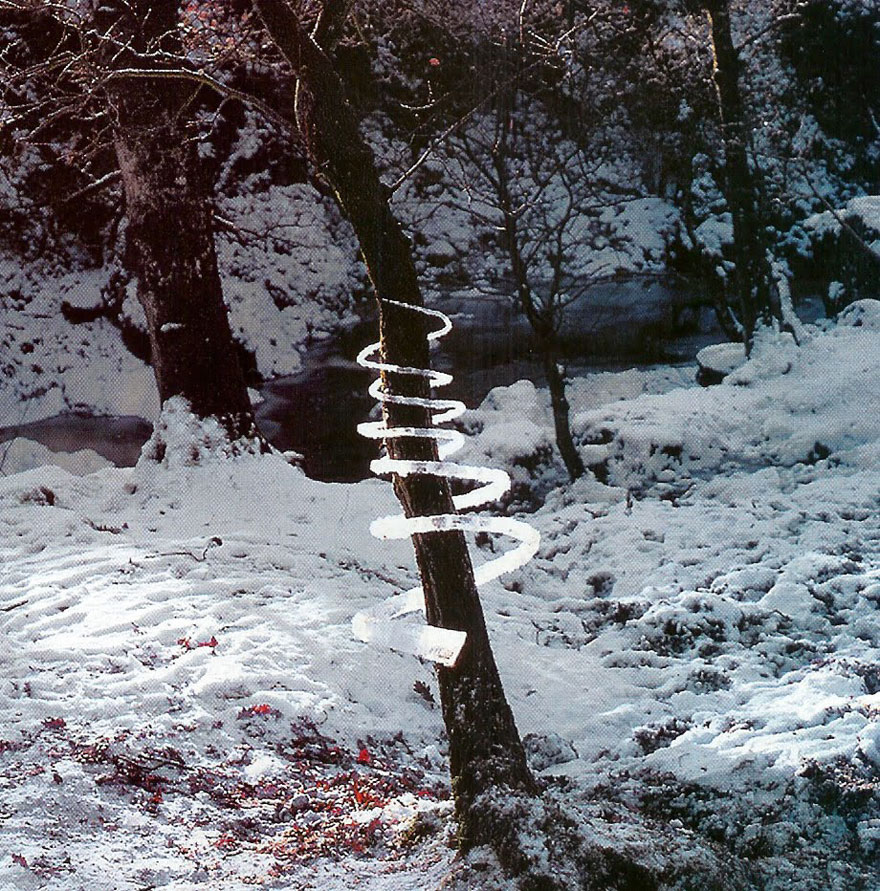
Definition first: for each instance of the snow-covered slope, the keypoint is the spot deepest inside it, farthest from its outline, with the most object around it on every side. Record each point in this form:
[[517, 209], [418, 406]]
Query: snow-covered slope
[[694, 651]]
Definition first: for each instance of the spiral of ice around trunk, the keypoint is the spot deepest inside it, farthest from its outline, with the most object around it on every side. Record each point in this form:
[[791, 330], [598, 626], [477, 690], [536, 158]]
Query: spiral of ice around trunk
[[381, 624]]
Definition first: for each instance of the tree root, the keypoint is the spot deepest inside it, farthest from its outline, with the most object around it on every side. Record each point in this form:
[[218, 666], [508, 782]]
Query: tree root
[[546, 844]]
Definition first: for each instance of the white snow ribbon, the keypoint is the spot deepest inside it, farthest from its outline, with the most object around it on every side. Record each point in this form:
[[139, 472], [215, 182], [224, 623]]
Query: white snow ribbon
[[379, 624]]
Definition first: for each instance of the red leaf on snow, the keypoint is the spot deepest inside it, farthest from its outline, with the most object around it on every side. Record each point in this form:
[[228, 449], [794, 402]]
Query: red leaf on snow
[[54, 723], [17, 858], [262, 709], [364, 757], [187, 644]]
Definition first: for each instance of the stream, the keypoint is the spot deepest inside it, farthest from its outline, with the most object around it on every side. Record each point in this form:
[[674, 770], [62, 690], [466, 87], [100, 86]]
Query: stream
[[316, 411]]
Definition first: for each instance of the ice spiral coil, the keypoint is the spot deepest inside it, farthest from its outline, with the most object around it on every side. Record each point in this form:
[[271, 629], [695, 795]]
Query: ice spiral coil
[[378, 624]]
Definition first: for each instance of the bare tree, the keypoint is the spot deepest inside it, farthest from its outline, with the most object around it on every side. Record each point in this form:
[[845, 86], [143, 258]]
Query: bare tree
[[752, 275], [750, 296], [533, 196], [485, 750]]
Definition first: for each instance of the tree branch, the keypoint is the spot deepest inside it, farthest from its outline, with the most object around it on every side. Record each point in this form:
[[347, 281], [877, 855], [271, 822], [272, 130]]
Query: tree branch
[[205, 80], [842, 222]]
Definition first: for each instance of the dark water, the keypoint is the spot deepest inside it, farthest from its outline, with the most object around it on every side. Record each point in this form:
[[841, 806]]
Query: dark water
[[316, 411], [118, 439]]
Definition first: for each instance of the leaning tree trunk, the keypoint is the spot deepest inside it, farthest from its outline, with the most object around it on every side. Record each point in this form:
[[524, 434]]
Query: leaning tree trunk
[[485, 750], [752, 279], [169, 237]]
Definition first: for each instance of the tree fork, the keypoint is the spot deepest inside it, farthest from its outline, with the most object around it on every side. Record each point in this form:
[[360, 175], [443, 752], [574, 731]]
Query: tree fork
[[485, 749]]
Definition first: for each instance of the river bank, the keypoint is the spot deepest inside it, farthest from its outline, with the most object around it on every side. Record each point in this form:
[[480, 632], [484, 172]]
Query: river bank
[[639, 324]]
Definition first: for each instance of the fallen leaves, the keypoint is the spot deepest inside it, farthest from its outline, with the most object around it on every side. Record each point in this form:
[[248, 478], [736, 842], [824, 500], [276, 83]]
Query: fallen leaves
[[311, 797]]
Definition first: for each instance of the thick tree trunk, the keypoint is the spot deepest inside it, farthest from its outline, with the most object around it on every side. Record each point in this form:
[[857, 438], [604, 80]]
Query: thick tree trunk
[[752, 281], [485, 750], [169, 238]]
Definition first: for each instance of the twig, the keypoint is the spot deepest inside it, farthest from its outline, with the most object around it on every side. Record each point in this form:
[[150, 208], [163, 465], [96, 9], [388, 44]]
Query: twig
[[213, 543], [94, 186], [439, 140]]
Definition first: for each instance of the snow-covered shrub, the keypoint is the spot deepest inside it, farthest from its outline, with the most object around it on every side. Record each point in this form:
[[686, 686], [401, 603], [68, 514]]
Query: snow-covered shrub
[[861, 314], [824, 809], [658, 734], [182, 439], [839, 248], [696, 626], [548, 749]]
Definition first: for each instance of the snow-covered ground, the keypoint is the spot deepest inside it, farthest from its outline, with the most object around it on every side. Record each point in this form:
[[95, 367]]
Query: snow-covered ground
[[693, 651]]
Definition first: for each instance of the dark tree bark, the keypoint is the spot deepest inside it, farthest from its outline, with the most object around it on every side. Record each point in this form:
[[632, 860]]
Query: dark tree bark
[[485, 750], [751, 278], [169, 238], [559, 405]]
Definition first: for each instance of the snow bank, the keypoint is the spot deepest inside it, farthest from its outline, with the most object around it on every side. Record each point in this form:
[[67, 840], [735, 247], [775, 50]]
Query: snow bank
[[513, 427], [19, 454], [289, 278], [51, 366], [787, 405], [289, 268]]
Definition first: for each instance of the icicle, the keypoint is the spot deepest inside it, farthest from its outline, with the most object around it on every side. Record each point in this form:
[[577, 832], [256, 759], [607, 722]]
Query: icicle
[[380, 624]]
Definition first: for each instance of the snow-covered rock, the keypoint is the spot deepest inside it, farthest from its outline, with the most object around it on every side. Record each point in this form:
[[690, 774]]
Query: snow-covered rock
[[19, 454], [861, 314], [718, 360]]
